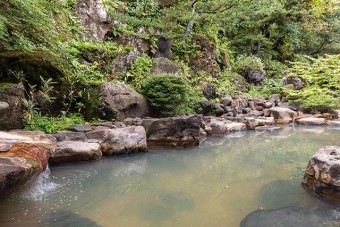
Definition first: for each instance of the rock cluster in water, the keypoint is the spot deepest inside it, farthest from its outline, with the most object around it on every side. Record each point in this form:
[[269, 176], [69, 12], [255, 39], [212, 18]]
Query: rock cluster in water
[[25, 154]]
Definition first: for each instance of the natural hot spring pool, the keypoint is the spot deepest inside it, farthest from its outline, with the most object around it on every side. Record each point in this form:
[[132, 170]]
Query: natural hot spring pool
[[216, 184]]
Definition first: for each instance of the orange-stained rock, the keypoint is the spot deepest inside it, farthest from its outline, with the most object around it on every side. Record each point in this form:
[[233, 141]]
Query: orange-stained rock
[[20, 164]]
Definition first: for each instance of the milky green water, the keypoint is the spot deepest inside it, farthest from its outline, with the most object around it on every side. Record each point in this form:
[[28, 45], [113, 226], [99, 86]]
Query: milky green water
[[216, 184]]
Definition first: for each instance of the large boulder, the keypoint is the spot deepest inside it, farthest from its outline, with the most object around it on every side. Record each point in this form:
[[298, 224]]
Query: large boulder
[[182, 131], [20, 164], [292, 216], [282, 115], [11, 108], [295, 81], [75, 151], [116, 101], [123, 141], [322, 174], [93, 15], [255, 76]]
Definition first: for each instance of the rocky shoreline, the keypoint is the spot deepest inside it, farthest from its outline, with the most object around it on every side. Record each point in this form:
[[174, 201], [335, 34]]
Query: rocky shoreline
[[25, 154]]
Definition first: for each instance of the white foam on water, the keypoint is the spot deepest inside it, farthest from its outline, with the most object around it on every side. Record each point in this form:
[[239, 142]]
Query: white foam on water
[[41, 187]]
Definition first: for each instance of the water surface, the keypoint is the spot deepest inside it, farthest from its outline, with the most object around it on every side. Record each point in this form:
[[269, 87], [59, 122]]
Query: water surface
[[216, 184]]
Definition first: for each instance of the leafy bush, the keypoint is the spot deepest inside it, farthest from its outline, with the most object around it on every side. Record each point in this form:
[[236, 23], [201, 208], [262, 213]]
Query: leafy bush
[[245, 63], [140, 69], [166, 93], [270, 86], [53, 124], [231, 83], [322, 77]]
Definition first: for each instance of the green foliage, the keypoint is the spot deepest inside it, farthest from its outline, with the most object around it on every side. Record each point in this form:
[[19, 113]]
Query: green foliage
[[322, 77], [231, 83], [53, 124], [167, 94], [269, 87], [245, 63], [140, 70]]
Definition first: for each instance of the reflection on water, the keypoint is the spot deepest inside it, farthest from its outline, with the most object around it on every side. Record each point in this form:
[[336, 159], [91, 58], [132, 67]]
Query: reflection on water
[[216, 184]]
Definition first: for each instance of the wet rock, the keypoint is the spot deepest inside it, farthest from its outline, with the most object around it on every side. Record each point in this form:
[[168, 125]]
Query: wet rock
[[123, 141], [218, 126], [292, 216], [311, 121], [20, 164], [117, 100], [236, 126], [265, 121], [93, 15], [182, 131], [75, 151], [282, 115], [322, 174], [11, 108]]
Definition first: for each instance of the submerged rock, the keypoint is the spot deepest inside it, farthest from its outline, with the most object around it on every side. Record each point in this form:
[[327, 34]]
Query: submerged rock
[[182, 131], [322, 174], [292, 216]]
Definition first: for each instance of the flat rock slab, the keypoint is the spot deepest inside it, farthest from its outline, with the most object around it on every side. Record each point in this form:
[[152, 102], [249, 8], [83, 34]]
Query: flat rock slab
[[123, 141], [8, 139], [311, 121], [236, 126], [292, 216], [75, 151]]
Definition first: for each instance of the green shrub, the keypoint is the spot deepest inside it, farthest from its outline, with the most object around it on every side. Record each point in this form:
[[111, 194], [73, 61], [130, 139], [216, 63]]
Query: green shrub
[[139, 70], [53, 124], [167, 94], [322, 78], [269, 87], [245, 63], [231, 83]]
